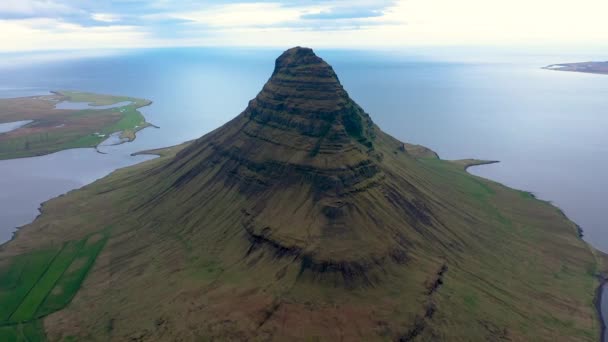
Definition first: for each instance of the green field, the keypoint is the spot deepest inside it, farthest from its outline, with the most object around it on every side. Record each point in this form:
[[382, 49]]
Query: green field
[[31, 331], [42, 282], [17, 280], [99, 99]]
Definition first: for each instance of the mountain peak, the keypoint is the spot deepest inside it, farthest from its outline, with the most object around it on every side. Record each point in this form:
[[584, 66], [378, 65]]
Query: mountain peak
[[302, 146], [303, 83], [304, 98], [301, 61], [297, 55]]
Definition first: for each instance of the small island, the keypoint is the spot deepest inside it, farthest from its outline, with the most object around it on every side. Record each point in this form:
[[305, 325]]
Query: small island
[[587, 67], [40, 125]]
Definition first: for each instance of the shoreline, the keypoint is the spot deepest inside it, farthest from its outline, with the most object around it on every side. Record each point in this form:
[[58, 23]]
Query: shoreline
[[158, 152], [40, 207], [603, 280], [161, 151], [42, 204], [578, 71], [597, 301], [474, 162], [584, 67], [124, 140]]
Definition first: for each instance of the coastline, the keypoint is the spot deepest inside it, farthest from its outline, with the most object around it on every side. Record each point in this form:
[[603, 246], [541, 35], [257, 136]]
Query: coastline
[[584, 67], [41, 205], [159, 152], [603, 280], [162, 151], [597, 301], [578, 71], [474, 162]]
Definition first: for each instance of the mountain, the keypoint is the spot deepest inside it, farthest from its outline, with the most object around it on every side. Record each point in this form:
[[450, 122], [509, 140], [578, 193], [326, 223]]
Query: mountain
[[301, 220]]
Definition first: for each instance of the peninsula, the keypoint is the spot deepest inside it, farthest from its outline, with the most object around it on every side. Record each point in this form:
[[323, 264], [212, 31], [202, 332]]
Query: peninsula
[[299, 220], [587, 67], [64, 120]]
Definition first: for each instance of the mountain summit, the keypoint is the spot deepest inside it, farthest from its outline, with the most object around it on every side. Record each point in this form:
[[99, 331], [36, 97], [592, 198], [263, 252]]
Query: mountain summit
[[305, 97], [301, 220]]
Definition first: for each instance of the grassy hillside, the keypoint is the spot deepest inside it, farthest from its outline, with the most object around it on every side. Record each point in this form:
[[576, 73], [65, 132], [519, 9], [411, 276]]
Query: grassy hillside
[[519, 273]]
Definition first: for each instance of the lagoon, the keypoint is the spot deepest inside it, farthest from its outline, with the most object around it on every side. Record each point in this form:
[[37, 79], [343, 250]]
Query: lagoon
[[85, 105], [11, 126]]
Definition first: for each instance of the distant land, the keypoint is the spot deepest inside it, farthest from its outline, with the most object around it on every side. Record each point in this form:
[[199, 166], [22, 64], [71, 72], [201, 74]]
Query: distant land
[[40, 125], [299, 220], [587, 67]]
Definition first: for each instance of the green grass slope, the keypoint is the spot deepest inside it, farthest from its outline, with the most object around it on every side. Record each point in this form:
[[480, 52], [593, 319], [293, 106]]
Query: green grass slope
[[520, 273]]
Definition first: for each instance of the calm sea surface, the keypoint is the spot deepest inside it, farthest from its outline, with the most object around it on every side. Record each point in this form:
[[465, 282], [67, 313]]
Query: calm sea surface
[[549, 129]]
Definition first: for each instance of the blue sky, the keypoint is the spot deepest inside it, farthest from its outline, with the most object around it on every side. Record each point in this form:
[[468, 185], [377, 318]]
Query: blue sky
[[90, 24]]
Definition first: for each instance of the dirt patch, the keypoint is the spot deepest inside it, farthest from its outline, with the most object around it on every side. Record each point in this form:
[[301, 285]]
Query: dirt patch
[[94, 239], [76, 265], [57, 290]]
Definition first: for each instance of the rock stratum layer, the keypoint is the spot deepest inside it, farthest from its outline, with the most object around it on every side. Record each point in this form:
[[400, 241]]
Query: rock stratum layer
[[301, 220]]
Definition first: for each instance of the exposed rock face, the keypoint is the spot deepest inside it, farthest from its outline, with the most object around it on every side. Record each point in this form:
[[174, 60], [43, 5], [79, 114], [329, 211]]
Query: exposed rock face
[[304, 97]]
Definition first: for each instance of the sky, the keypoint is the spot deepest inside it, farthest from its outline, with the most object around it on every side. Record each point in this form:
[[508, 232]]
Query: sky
[[28, 25]]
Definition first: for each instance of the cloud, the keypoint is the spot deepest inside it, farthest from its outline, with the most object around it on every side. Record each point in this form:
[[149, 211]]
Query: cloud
[[241, 15], [344, 13], [53, 34], [350, 14], [105, 17], [33, 8], [313, 15], [61, 24], [483, 22]]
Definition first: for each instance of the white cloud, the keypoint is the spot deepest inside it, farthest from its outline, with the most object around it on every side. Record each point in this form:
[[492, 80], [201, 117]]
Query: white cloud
[[397, 23], [420, 22], [105, 17], [502, 22], [52, 34], [33, 7], [242, 15]]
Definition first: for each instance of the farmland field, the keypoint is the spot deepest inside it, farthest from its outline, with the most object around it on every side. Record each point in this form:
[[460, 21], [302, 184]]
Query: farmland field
[[41, 282]]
